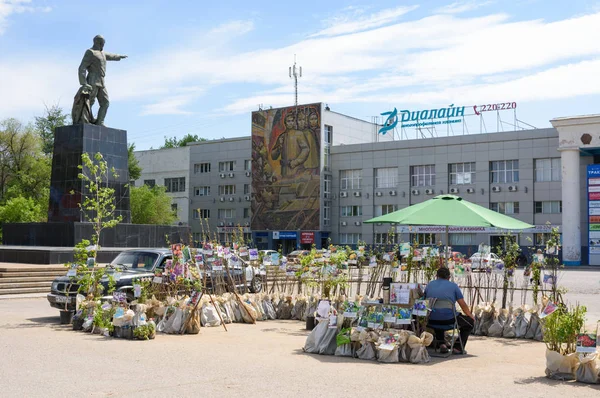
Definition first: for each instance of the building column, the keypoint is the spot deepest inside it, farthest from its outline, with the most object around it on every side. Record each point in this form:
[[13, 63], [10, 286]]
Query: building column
[[571, 214]]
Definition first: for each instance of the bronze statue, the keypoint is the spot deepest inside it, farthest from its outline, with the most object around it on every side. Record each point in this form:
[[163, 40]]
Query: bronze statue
[[91, 77]]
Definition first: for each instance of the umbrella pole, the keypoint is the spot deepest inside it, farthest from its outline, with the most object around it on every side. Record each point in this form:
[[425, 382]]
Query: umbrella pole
[[447, 242]]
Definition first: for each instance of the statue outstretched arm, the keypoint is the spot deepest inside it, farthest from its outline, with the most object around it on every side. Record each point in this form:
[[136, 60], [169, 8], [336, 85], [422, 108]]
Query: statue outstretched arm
[[88, 57], [114, 57]]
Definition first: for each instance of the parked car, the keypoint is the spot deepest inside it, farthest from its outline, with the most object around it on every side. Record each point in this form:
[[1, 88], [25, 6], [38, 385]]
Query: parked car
[[294, 257], [479, 261], [141, 263]]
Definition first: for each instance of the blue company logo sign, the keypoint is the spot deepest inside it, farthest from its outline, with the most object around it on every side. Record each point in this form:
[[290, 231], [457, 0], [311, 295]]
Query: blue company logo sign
[[423, 118], [391, 122], [593, 170]]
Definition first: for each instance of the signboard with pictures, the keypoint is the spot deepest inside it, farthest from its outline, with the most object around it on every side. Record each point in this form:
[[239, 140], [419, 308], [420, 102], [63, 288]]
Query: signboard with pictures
[[593, 201]]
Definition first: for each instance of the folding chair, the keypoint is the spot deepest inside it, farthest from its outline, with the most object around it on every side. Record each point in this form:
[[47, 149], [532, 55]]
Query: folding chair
[[444, 304]]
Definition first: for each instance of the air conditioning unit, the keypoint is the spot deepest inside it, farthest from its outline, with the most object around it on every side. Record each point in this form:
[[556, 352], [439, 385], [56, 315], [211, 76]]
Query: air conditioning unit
[[470, 190], [232, 199], [343, 194], [231, 175], [344, 223], [357, 194], [378, 193], [496, 189], [247, 197], [357, 223], [393, 193], [512, 188], [222, 199], [221, 224], [429, 192], [222, 175], [453, 190], [414, 192], [248, 173], [230, 224]]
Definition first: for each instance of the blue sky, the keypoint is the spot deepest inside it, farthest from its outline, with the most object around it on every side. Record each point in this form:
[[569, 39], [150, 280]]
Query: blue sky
[[202, 67]]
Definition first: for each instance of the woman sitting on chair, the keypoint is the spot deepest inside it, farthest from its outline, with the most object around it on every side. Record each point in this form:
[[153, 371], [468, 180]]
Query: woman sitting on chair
[[443, 289]]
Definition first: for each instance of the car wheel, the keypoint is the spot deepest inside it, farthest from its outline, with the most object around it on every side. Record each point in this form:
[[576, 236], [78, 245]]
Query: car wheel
[[256, 285]]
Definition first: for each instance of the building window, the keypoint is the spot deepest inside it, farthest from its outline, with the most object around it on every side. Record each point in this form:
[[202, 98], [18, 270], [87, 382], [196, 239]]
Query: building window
[[505, 207], [386, 177], [423, 176], [504, 171], [201, 168], [246, 189], [462, 173], [247, 165], [202, 191], [227, 166], [175, 184], [226, 213], [351, 211], [548, 207], [423, 239], [547, 170], [350, 239], [327, 157], [150, 183], [541, 239], [386, 239], [463, 239], [201, 213], [327, 184], [226, 189], [326, 211], [246, 212], [328, 134], [382, 210], [350, 179], [174, 208]]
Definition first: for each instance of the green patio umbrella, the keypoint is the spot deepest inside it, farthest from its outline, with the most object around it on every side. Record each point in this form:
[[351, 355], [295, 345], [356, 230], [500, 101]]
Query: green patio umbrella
[[450, 211]]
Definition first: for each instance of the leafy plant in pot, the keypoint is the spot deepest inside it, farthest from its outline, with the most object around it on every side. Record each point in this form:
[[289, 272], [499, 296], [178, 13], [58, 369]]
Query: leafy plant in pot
[[560, 335]]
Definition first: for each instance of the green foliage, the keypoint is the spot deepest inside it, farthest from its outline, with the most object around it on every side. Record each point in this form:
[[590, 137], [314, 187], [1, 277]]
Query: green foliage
[[21, 209], [561, 328], [151, 205], [47, 124], [144, 332], [174, 142], [98, 207], [133, 164]]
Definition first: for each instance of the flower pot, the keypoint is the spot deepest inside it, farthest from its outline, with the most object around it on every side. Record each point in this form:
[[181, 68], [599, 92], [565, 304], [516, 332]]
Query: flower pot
[[310, 322], [66, 317], [127, 332], [77, 323]]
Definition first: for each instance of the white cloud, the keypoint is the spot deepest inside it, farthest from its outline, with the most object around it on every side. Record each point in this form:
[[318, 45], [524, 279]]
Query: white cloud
[[171, 105], [462, 6], [9, 7], [347, 24], [233, 28]]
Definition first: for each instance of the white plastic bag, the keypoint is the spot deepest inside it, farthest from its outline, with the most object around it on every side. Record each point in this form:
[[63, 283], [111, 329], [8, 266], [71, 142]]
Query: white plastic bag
[[209, 315], [328, 343], [521, 323], [534, 326], [314, 338], [367, 351], [509, 330], [561, 367], [418, 346], [344, 350], [588, 369]]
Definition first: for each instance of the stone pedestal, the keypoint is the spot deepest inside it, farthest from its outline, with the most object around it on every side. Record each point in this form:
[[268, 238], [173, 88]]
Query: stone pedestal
[[66, 189]]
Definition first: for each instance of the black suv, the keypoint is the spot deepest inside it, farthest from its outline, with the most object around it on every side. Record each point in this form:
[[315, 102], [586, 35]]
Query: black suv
[[140, 263]]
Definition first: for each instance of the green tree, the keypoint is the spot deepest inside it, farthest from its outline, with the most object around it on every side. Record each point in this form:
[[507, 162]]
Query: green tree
[[20, 209], [98, 206], [24, 171], [174, 142], [135, 171], [46, 126], [151, 205]]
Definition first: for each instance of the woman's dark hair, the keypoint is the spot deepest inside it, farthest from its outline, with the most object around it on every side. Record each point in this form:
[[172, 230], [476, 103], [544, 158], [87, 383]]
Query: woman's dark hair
[[443, 273]]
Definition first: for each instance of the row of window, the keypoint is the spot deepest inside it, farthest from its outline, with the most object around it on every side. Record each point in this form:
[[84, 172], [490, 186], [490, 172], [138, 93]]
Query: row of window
[[221, 213], [224, 167], [502, 171], [172, 184], [229, 189], [544, 207], [540, 239]]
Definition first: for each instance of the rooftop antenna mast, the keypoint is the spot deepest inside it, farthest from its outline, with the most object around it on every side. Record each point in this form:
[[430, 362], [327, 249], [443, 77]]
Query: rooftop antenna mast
[[295, 73]]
